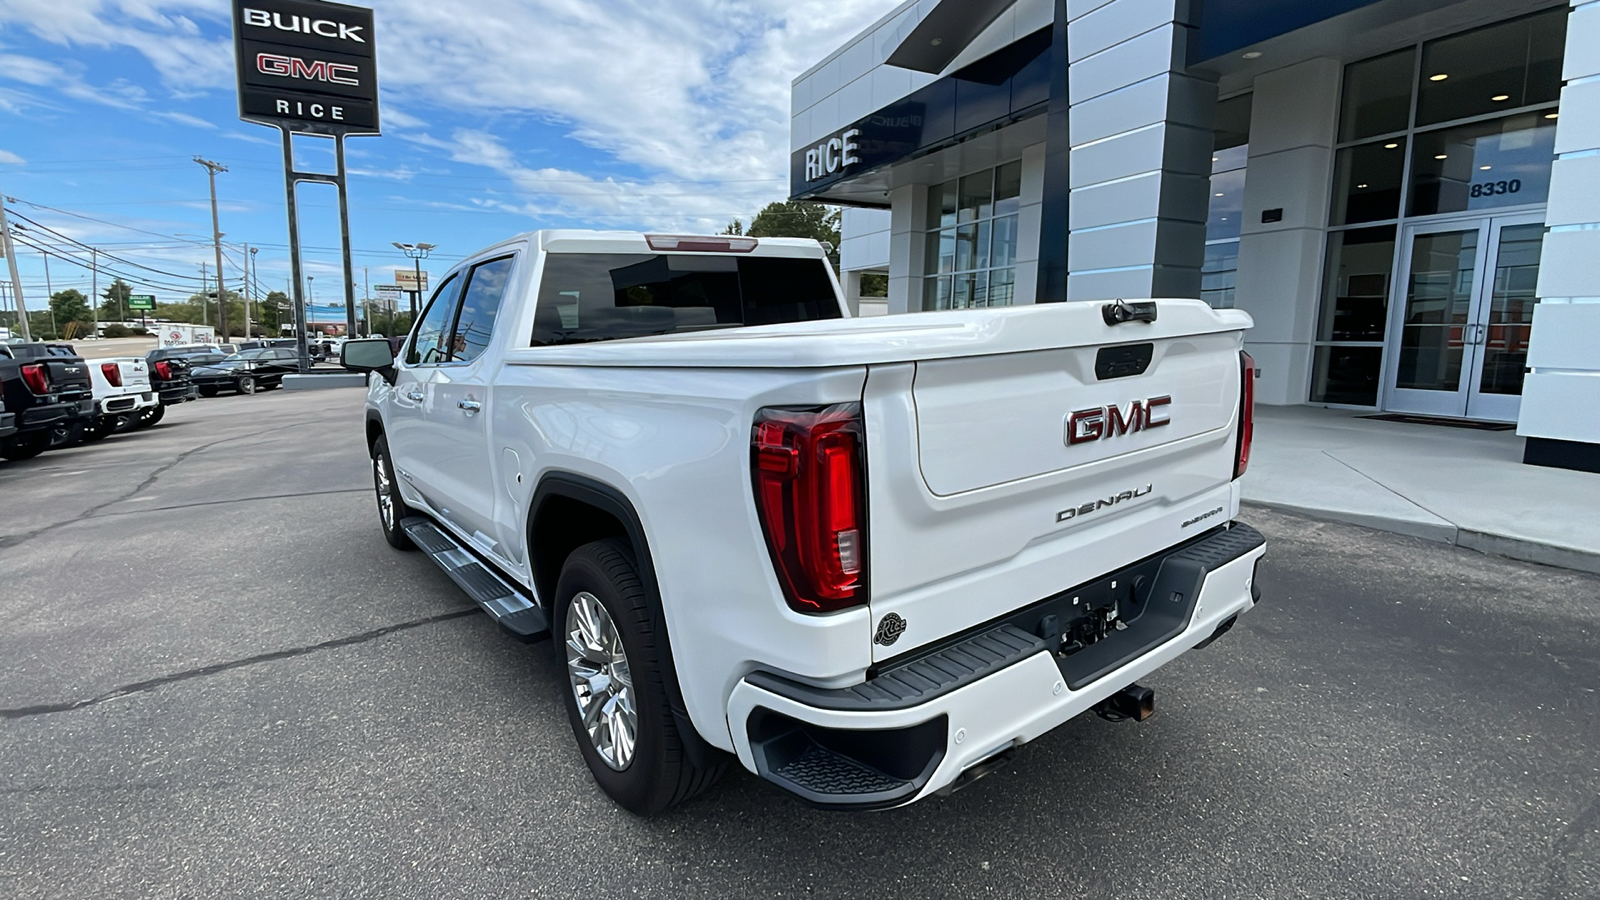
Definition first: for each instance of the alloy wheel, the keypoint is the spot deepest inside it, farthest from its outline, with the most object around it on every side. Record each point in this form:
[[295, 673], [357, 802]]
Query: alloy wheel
[[380, 476], [602, 681]]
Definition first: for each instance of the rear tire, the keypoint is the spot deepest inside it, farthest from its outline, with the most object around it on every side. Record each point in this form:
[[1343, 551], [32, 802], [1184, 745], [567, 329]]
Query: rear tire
[[99, 429], [150, 416], [208, 390], [25, 446], [392, 509], [246, 384], [606, 635]]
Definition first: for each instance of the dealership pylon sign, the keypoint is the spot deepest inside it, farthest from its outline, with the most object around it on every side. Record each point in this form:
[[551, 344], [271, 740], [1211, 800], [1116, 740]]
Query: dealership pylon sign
[[311, 68], [308, 66]]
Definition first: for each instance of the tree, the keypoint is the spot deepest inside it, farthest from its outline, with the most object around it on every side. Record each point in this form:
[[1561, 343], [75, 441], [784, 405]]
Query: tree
[[734, 227], [801, 219], [70, 305], [116, 297]]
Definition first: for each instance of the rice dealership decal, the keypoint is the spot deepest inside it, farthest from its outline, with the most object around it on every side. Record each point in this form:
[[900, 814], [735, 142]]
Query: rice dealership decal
[[306, 66]]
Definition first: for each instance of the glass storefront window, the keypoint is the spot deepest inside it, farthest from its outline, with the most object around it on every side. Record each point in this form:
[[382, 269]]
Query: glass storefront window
[[1355, 291], [1485, 165], [1499, 67], [1377, 96], [1347, 375], [1219, 274], [1367, 182], [972, 239]]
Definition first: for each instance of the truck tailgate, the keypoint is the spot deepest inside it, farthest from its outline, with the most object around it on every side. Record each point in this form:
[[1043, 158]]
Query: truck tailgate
[[998, 480]]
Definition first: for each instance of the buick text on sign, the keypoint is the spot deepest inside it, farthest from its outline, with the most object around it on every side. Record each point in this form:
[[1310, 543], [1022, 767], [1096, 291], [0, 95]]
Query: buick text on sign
[[307, 66]]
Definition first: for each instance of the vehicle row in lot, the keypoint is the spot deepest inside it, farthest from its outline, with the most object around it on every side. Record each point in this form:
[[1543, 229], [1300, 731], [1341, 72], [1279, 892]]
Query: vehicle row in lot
[[50, 396]]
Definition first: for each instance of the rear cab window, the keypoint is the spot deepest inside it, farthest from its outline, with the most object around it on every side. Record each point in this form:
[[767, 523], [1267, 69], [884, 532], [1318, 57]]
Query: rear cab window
[[586, 297]]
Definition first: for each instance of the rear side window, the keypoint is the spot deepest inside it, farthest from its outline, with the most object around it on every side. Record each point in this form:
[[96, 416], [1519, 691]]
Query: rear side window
[[607, 296], [486, 286], [429, 346]]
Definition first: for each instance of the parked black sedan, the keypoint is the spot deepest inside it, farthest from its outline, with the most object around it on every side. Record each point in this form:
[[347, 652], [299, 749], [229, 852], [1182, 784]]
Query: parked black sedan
[[246, 371]]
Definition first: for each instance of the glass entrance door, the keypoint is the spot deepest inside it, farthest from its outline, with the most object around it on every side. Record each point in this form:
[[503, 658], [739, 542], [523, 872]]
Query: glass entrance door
[[1468, 293]]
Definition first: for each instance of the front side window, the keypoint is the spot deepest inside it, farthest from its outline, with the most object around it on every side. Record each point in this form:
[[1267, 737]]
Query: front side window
[[480, 303], [586, 297], [430, 344]]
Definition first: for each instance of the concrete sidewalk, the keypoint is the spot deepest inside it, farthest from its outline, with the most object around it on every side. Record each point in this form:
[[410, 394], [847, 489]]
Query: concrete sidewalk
[[1457, 485]]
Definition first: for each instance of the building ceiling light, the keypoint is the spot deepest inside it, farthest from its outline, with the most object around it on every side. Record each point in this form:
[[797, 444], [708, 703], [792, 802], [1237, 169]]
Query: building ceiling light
[[1390, 146], [1500, 98], [1219, 194], [1439, 77], [1253, 54], [1361, 187], [1550, 115], [1484, 168], [1442, 156], [936, 41]]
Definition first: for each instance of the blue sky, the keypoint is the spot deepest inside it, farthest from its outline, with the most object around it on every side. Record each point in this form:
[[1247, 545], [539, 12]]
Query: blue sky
[[500, 116]]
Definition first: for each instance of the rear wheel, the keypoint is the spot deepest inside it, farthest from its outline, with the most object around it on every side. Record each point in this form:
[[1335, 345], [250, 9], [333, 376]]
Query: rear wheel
[[150, 416], [392, 509], [99, 428], [616, 699], [208, 390], [246, 384], [25, 446]]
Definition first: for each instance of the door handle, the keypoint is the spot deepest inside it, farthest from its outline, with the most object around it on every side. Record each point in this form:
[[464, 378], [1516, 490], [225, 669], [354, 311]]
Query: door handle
[[415, 396], [471, 406]]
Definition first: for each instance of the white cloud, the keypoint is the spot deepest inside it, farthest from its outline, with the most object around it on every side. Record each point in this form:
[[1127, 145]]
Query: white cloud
[[11, 159]]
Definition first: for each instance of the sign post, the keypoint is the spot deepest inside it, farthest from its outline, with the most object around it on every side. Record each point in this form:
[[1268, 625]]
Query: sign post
[[309, 67]]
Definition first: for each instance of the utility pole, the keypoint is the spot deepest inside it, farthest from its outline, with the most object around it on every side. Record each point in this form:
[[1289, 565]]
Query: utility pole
[[252, 269], [94, 290], [247, 291], [204, 283], [10, 253], [212, 169]]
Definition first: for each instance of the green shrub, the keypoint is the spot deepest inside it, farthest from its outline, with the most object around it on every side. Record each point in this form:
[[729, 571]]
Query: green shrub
[[116, 330]]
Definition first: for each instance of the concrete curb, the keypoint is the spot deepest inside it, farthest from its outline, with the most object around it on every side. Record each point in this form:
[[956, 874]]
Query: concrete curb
[[319, 382], [1489, 544]]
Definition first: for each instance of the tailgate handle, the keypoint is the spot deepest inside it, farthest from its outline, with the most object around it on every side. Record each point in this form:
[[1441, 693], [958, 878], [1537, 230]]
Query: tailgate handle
[[1118, 311]]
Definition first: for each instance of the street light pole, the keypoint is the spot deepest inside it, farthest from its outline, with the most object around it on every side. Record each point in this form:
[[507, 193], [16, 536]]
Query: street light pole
[[212, 169], [417, 253]]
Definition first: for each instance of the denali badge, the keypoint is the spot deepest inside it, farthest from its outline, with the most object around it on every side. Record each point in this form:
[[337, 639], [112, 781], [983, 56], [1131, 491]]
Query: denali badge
[[1113, 500], [890, 628], [1104, 422]]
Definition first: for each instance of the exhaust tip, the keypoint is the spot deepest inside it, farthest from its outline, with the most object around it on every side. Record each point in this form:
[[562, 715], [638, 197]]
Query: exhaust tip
[[1134, 702]]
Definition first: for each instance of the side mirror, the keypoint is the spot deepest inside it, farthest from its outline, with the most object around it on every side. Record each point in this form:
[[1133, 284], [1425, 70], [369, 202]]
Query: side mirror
[[368, 355]]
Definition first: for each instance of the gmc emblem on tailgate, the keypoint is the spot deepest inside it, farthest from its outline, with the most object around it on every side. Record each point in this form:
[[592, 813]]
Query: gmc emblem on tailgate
[[1104, 422]]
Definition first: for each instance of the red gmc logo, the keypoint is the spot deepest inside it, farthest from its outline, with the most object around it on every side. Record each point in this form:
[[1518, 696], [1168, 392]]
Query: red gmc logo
[[315, 70], [1104, 422]]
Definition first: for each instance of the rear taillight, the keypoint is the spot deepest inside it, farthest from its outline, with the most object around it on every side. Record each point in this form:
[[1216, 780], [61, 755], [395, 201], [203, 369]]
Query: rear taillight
[[113, 374], [810, 484], [1247, 412], [36, 378], [164, 370]]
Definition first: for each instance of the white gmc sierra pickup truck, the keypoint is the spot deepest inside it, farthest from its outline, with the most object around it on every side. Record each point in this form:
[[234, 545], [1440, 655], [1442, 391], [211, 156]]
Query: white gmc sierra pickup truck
[[867, 557]]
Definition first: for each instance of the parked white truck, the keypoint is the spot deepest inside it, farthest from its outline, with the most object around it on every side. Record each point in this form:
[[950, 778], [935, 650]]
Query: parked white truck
[[867, 558]]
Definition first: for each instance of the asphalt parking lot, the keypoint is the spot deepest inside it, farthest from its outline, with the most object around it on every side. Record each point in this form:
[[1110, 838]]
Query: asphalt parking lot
[[216, 679]]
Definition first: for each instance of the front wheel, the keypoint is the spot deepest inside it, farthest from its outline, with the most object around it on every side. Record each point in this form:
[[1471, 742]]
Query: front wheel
[[392, 509], [616, 699], [246, 384]]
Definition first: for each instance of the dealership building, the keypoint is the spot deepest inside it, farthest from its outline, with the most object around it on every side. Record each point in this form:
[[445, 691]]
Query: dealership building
[[1404, 194]]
